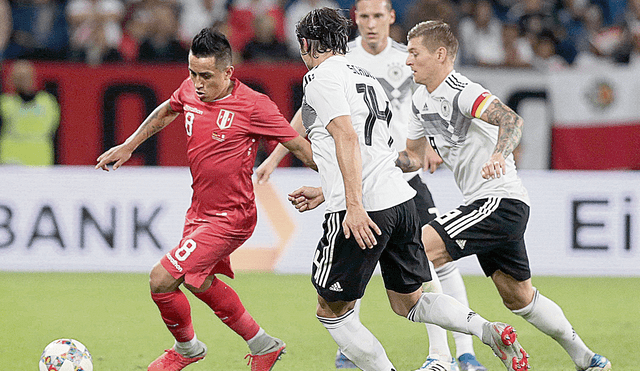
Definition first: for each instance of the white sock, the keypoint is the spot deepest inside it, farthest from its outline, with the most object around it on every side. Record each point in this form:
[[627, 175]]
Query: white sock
[[453, 285], [357, 342], [261, 342], [189, 348], [438, 342], [548, 317], [446, 312]]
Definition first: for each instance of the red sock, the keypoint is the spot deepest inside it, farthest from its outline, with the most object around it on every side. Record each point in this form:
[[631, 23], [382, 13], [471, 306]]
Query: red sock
[[228, 307], [176, 314]]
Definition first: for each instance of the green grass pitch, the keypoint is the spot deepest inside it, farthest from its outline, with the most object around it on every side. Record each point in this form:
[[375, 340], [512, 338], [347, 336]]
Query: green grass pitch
[[113, 315]]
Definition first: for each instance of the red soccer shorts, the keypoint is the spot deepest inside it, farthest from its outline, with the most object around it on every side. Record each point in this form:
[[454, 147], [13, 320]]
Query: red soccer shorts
[[203, 251]]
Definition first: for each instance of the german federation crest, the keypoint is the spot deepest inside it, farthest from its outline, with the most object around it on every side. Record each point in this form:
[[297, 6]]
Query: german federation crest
[[225, 118]]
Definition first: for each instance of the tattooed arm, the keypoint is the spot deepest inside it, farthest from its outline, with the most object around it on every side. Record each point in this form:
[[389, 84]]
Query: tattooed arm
[[412, 158], [509, 134], [162, 116]]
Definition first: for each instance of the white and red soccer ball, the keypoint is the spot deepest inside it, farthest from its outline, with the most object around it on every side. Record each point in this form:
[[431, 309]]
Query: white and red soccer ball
[[65, 355]]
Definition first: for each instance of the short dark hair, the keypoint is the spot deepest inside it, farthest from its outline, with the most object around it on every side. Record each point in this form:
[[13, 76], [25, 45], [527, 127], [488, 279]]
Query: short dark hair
[[434, 35], [389, 4], [325, 29], [211, 43]]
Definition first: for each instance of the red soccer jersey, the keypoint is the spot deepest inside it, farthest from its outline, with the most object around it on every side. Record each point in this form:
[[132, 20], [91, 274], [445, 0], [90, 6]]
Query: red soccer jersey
[[222, 140]]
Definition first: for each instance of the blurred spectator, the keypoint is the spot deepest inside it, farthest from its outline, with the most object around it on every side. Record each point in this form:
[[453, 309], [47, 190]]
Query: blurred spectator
[[545, 58], [135, 28], [6, 25], [517, 50], [481, 37], [39, 30], [95, 30], [28, 120], [240, 20], [532, 16], [264, 46], [602, 41], [294, 13], [162, 43], [198, 14], [424, 10]]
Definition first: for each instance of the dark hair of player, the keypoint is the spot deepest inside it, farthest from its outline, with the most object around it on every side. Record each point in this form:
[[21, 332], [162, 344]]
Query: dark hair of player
[[211, 43], [435, 34], [325, 29]]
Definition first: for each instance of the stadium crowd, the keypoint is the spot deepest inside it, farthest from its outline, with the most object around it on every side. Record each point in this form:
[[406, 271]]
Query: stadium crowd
[[541, 34]]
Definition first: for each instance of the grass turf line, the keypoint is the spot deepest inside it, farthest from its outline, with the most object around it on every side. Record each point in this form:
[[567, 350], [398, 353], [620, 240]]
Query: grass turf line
[[113, 315]]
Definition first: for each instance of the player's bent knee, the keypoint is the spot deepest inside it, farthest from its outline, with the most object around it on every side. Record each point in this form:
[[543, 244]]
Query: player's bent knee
[[161, 281], [333, 309]]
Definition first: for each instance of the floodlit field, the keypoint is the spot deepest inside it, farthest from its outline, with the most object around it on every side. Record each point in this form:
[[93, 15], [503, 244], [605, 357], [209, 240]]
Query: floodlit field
[[113, 315]]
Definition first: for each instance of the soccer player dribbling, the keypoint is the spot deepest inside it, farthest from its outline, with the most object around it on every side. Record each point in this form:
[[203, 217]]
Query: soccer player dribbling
[[223, 121]]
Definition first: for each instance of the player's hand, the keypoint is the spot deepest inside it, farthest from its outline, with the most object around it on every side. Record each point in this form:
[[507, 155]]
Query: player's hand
[[306, 198], [495, 167], [431, 160], [118, 154], [263, 172], [358, 224]]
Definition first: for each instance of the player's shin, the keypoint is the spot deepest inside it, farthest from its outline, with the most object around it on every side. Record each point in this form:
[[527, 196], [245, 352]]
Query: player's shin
[[227, 306], [453, 285], [446, 312], [438, 342], [176, 313], [549, 318], [357, 342]]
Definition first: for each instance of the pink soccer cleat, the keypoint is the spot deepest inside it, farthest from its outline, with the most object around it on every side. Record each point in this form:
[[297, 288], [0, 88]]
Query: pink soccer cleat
[[171, 360], [265, 362]]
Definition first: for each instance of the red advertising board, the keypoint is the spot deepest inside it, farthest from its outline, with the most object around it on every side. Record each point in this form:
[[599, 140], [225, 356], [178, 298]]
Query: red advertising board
[[101, 106]]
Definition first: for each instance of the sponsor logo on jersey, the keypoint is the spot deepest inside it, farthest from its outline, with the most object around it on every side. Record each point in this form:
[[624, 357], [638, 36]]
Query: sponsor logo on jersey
[[336, 287], [225, 118], [174, 262], [218, 137], [192, 109]]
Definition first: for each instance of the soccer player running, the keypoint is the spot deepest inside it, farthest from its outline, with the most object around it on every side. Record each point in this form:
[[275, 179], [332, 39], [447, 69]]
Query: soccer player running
[[370, 214], [223, 121], [385, 59], [475, 133]]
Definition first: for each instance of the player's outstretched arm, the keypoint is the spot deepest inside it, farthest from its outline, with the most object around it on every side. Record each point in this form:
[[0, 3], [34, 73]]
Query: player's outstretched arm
[[414, 156], [268, 166], [306, 198], [509, 133], [162, 116], [356, 222], [301, 148]]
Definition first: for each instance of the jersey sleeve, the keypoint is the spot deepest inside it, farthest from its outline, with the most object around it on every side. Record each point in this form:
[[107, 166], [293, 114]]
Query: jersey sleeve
[[176, 101], [327, 97], [267, 121], [415, 128], [474, 100]]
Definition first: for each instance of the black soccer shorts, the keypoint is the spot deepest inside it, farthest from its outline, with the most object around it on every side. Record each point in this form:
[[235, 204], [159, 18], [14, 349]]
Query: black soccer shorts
[[341, 270], [427, 210], [492, 229]]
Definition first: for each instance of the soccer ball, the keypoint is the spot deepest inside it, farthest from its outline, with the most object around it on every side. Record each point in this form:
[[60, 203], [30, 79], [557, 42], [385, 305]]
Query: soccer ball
[[65, 355]]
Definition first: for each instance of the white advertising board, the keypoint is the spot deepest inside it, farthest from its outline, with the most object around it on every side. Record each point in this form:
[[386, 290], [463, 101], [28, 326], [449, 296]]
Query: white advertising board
[[81, 219]]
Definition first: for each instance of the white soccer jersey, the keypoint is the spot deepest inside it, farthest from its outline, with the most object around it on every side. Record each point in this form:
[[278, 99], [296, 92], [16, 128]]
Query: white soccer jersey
[[448, 117], [396, 78], [337, 88]]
